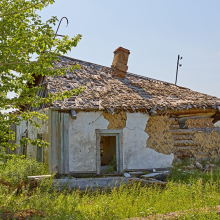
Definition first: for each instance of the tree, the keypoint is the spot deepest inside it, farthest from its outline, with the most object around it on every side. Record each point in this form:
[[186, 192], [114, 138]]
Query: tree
[[23, 36]]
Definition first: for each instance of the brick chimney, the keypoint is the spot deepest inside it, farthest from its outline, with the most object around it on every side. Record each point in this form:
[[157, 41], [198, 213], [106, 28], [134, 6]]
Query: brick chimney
[[119, 64]]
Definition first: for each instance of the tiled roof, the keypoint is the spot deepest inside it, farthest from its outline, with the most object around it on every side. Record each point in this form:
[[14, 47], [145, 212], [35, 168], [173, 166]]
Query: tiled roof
[[104, 91]]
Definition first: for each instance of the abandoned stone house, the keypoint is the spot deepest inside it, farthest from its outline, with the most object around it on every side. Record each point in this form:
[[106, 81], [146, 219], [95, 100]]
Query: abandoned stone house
[[144, 123]]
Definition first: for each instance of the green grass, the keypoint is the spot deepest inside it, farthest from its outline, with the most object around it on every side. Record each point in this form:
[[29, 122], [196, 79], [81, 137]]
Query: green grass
[[125, 202], [178, 175], [183, 192]]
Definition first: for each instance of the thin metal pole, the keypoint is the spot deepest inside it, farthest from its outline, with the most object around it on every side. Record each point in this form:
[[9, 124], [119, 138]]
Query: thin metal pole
[[177, 68], [60, 23], [59, 27]]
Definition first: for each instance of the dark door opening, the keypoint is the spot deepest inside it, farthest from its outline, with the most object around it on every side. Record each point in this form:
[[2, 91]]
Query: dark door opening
[[108, 154]]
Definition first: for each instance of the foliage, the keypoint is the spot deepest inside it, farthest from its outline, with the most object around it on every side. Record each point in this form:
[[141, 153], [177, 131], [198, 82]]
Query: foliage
[[179, 175], [190, 193], [186, 162], [17, 168], [128, 201], [145, 172], [28, 49], [112, 166]]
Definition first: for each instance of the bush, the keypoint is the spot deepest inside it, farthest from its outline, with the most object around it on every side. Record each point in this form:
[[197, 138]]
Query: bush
[[18, 168]]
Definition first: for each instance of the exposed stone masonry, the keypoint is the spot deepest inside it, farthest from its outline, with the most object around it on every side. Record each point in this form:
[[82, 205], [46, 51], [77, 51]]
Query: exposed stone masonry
[[116, 120]]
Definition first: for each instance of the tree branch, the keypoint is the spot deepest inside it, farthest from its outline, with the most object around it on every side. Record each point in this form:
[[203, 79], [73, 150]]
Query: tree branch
[[18, 12]]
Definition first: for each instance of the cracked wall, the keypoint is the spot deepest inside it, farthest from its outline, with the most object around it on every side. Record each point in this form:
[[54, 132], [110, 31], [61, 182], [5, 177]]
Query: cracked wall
[[160, 139], [117, 120], [82, 139], [136, 154]]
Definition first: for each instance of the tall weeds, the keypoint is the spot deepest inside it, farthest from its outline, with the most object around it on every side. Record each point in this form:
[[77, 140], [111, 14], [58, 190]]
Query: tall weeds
[[188, 192], [125, 202], [17, 168]]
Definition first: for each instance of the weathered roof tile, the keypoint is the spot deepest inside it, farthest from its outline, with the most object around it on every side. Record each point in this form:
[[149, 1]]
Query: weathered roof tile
[[104, 91]]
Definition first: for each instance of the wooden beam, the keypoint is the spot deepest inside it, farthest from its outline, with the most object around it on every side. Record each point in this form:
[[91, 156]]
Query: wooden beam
[[62, 171], [196, 115], [54, 159], [50, 140], [66, 142]]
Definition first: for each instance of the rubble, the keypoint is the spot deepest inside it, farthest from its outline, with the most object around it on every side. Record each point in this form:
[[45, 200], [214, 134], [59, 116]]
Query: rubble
[[148, 181], [198, 165], [136, 174], [191, 166], [40, 177], [159, 176], [209, 167], [150, 175], [127, 175]]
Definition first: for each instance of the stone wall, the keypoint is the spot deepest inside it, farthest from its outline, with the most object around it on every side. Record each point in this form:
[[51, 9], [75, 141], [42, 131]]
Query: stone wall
[[198, 138]]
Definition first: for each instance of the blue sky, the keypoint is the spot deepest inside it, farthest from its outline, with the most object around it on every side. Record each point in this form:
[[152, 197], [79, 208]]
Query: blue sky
[[155, 32]]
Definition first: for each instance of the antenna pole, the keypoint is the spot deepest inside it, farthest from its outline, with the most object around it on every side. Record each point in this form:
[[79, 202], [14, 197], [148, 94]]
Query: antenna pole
[[177, 68]]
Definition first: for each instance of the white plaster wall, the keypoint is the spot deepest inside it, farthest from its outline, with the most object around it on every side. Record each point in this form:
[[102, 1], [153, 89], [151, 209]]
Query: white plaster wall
[[136, 155], [82, 140]]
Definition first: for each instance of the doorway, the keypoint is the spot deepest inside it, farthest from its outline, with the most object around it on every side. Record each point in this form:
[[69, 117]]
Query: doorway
[[109, 150], [108, 154]]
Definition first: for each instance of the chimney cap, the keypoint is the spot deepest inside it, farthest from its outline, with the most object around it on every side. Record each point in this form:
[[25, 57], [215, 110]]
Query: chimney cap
[[122, 49]]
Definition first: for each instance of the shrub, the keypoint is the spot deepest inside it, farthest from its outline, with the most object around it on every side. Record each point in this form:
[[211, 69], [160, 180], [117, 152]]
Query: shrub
[[18, 168]]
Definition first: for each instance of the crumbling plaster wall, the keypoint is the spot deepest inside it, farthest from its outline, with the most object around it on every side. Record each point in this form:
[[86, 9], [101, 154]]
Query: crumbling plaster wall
[[32, 133], [82, 139], [136, 154]]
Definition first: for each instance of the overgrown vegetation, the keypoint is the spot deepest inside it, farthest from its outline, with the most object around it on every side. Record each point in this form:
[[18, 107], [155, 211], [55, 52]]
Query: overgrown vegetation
[[188, 193], [186, 172], [17, 168], [125, 202], [112, 166], [185, 191]]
